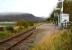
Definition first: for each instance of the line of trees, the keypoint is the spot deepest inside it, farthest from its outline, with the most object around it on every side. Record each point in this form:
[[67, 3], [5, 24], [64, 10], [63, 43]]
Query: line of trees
[[68, 8]]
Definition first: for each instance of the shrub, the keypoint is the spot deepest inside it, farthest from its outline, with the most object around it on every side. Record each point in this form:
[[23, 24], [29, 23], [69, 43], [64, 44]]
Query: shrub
[[24, 23]]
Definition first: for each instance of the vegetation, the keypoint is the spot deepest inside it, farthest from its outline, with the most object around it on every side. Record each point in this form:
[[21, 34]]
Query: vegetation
[[54, 16], [24, 23], [5, 33], [9, 30], [51, 18], [68, 8], [61, 40]]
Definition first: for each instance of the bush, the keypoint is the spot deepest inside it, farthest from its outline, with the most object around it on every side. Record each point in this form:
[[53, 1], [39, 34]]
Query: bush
[[24, 23], [5, 34], [10, 29]]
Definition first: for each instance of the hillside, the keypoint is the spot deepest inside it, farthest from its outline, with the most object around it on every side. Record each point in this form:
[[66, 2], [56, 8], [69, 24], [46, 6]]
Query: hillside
[[19, 16]]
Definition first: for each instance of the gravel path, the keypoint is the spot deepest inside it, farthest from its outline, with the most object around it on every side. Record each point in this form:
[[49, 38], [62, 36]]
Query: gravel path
[[44, 30]]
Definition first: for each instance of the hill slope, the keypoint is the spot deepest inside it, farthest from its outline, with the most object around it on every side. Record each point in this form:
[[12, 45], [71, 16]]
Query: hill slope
[[19, 16]]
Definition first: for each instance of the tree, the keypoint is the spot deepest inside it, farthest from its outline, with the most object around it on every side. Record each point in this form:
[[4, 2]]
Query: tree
[[68, 8]]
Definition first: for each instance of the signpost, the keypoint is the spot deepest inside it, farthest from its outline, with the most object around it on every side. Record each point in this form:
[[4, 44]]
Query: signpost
[[64, 19]]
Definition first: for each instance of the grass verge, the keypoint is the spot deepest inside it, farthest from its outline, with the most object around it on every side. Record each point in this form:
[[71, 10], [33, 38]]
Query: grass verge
[[61, 40]]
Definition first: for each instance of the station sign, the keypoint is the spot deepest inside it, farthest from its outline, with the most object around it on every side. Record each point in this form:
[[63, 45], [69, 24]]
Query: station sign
[[64, 18]]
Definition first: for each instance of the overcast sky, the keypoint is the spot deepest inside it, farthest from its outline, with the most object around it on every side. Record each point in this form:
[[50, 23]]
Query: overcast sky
[[36, 7]]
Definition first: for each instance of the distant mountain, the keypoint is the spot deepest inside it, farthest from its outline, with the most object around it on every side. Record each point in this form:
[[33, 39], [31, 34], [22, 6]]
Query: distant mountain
[[19, 16]]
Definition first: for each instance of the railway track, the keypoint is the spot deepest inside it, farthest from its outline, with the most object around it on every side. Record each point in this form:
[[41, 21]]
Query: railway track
[[16, 41]]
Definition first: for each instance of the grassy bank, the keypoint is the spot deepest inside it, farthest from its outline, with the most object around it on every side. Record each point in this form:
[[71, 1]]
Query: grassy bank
[[19, 26], [61, 40], [4, 35]]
